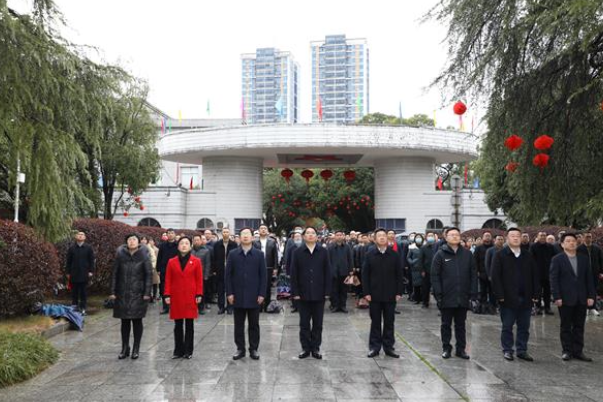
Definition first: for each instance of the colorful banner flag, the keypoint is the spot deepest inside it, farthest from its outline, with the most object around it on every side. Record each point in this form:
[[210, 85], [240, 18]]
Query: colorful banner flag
[[179, 115], [466, 174], [279, 107], [162, 125], [440, 184], [359, 104], [208, 110], [400, 111], [243, 109], [191, 185], [319, 109]]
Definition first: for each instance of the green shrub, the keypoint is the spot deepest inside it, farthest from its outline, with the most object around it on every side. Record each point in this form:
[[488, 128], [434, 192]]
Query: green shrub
[[23, 356]]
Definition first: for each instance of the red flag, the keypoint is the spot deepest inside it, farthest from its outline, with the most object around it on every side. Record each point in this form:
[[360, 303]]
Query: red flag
[[440, 184], [319, 109], [162, 126], [466, 173], [191, 185]]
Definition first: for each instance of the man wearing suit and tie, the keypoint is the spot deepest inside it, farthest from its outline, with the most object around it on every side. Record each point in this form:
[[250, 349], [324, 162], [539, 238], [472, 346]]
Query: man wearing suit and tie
[[573, 291], [270, 250]]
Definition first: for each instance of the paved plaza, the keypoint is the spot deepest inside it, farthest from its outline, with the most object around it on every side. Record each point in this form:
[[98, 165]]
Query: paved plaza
[[88, 369]]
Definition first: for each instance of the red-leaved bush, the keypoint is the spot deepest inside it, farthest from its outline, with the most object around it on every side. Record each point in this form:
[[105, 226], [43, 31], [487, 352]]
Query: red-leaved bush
[[29, 268]]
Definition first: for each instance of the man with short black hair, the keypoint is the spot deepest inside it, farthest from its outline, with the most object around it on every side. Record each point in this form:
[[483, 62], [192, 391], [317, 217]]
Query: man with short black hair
[[202, 252], [543, 253], [221, 251], [515, 282], [342, 264], [573, 291], [595, 256], [80, 268], [454, 281], [486, 296], [269, 249], [167, 250]]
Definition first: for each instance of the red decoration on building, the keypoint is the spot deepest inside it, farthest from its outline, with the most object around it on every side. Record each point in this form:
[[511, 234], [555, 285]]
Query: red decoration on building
[[511, 167], [307, 174], [126, 214], [326, 174], [459, 108], [541, 161], [543, 142], [513, 142], [349, 176], [287, 174], [142, 207]]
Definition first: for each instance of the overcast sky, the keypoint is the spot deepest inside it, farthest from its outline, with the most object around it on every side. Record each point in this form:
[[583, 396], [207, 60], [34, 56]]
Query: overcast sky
[[189, 50]]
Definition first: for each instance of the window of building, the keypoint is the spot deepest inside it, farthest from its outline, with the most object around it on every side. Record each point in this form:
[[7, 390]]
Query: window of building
[[205, 223], [242, 223], [435, 225], [149, 222], [493, 223], [188, 173], [397, 224]]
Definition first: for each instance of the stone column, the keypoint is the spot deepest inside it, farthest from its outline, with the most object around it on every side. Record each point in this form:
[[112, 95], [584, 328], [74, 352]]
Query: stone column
[[238, 184], [400, 187]]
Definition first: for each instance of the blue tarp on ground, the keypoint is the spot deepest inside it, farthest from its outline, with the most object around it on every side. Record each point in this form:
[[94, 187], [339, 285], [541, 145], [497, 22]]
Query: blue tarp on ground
[[58, 310]]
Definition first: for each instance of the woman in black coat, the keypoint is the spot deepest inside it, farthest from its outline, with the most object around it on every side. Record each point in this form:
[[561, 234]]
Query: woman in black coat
[[131, 290]]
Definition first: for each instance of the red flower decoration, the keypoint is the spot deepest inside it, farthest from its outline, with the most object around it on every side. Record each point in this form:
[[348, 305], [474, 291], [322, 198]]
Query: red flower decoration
[[307, 174], [511, 167], [142, 207], [543, 142], [541, 161], [459, 108], [513, 142], [349, 176], [326, 174], [137, 199]]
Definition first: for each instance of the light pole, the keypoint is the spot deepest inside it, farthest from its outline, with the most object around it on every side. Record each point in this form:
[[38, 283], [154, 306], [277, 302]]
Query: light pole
[[456, 200], [19, 181]]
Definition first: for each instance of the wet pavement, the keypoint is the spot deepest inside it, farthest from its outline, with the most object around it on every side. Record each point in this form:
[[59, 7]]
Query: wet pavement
[[89, 370]]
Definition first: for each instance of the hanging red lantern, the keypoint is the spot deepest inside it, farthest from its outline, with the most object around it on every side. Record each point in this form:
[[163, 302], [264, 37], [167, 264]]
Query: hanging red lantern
[[541, 161], [513, 142], [142, 207], [126, 213], [287, 174], [326, 174], [130, 190], [137, 199], [511, 167], [543, 142], [459, 108], [349, 176], [307, 174]]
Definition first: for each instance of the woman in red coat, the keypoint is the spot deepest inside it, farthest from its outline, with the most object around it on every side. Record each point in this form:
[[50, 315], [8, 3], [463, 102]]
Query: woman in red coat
[[183, 292]]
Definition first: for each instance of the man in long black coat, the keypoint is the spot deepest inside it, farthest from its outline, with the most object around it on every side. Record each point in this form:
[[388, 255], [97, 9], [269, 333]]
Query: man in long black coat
[[342, 264], [221, 250], [167, 251], [269, 248], [310, 286], [543, 253], [382, 278], [595, 256], [573, 291], [80, 268], [454, 281], [486, 296]]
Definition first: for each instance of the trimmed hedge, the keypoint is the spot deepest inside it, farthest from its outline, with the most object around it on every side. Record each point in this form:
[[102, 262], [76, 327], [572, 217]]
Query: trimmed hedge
[[29, 268]]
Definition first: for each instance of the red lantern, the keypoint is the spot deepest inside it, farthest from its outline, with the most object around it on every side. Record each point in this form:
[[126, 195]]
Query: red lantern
[[513, 142], [126, 214], [142, 207], [287, 174], [137, 199], [349, 176], [543, 142], [307, 174], [541, 161], [326, 174], [511, 167], [130, 190], [459, 108]]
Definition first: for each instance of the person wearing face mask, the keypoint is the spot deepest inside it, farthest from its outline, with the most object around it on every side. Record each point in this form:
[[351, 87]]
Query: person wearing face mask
[[414, 261], [425, 259], [183, 293]]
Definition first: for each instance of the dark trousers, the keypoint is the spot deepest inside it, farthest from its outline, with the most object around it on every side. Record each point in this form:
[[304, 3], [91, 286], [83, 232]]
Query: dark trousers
[[509, 318], [162, 291], [339, 294], [416, 294], [486, 293], [382, 337], [310, 336], [546, 295], [459, 314], [408, 276], [572, 328], [253, 322], [426, 289], [184, 341], [78, 294], [126, 326], [221, 289], [268, 297], [155, 291]]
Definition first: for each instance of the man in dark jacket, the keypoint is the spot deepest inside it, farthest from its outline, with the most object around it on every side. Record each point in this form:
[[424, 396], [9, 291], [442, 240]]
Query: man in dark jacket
[[486, 297], [167, 251], [595, 256], [573, 290], [426, 258], [543, 253], [499, 243], [454, 281], [310, 285], [245, 279], [382, 277], [80, 268], [221, 250], [342, 264], [204, 253], [515, 282], [269, 249], [359, 251]]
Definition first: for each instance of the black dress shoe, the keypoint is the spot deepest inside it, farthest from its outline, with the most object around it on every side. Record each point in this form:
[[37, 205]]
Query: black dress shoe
[[397, 311], [446, 354], [391, 353], [294, 310], [220, 311], [525, 356], [254, 354], [566, 356], [462, 355], [239, 355], [372, 353], [125, 352], [316, 355], [583, 357], [174, 357], [343, 310], [548, 312], [508, 356], [304, 354], [188, 357]]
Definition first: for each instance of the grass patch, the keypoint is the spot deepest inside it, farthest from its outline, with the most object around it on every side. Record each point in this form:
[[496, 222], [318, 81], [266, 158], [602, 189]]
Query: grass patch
[[23, 356], [32, 324]]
